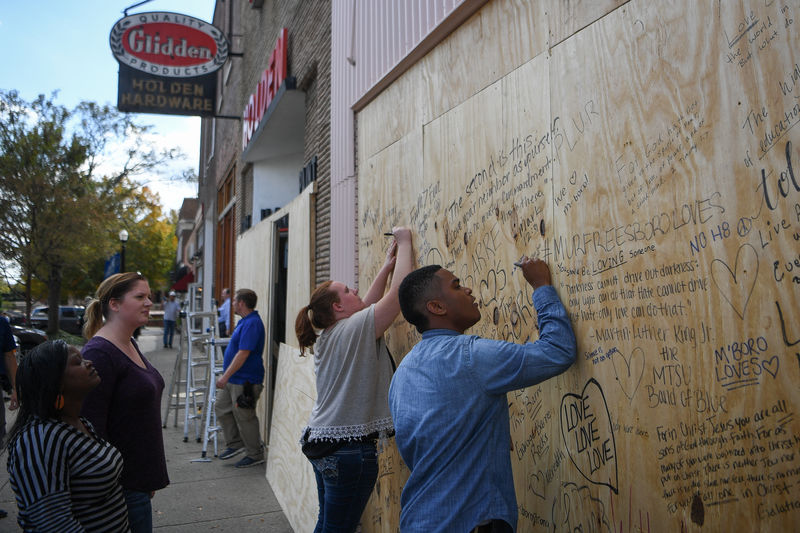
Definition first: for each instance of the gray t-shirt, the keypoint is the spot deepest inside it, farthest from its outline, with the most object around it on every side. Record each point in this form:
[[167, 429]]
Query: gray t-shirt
[[353, 375]]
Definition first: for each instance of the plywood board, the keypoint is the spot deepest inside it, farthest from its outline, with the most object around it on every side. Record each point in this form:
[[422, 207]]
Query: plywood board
[[377, 128], [674, 279], [289, 473], [299, 282], [657, 146], [566, 17], [254, 271], [493, 42]]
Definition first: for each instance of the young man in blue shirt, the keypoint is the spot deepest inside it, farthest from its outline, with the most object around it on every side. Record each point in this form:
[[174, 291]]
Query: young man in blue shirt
[[243, 372], [449, 406]]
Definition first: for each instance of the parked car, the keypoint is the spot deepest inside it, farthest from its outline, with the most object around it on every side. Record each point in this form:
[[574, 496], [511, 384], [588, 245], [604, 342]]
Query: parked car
[[27, 338], [14, 317], [70, 318]]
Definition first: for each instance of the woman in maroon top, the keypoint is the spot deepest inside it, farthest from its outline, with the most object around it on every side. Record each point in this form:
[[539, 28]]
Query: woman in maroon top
[[125, 408]]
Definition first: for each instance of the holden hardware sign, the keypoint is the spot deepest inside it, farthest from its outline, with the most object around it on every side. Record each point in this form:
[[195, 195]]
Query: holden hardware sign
[[167, 63]]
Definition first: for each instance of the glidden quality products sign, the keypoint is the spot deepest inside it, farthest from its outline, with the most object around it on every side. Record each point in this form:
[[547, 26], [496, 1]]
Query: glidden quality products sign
[[168, 44]]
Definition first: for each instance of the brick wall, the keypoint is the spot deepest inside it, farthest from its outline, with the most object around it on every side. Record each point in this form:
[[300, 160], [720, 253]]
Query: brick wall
[[309, 25], [254, 33]]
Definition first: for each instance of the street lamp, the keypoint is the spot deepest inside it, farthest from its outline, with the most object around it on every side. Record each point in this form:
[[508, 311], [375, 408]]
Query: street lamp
[[123, 238]]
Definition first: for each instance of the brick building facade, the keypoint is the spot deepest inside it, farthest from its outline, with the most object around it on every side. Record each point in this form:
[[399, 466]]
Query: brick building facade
[[237, 186]]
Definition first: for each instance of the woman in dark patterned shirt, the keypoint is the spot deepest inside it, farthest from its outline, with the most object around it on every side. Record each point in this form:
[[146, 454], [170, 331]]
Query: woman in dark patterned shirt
[[65, 477]]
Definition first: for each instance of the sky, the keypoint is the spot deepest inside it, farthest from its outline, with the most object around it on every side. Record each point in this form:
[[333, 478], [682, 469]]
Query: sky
[[62, 45]]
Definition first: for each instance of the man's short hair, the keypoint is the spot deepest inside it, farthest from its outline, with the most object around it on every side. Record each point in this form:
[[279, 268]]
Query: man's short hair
[[415, 291], [248, 297]]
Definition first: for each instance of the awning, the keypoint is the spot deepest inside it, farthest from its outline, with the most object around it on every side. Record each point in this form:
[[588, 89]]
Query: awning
[[282, 128], [182, 285]]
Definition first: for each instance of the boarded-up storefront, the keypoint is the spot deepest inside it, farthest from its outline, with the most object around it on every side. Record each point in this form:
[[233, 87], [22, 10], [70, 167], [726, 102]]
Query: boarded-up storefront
[[647, 151]]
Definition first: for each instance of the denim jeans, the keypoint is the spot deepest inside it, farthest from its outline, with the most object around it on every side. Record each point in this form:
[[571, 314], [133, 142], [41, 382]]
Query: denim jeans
[[140, 511], [345, 481], [169, 331]]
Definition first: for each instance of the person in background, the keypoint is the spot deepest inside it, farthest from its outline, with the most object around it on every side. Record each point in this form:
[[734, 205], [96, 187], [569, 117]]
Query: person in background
[[241, 383], [64, 475], [448, 401], [171, 309], [353, 369], [225, 313], [125, 407], [8, 367]]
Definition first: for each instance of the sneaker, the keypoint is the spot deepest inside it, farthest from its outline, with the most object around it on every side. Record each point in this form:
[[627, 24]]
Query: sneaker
[[227, 453], [248, 462]]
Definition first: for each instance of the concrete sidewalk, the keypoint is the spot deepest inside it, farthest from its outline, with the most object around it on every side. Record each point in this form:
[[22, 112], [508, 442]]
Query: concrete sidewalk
[[212, 496]]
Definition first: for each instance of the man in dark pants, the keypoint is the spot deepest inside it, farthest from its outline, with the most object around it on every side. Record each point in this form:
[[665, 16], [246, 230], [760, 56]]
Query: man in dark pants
[[9, 368], [172, 308], [241, 383], [449, 406]]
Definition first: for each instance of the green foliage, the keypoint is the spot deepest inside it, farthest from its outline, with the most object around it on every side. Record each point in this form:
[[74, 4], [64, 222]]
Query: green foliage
[[59, 218]]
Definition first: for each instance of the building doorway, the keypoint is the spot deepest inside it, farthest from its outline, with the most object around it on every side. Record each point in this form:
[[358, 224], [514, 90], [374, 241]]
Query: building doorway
[[278, 297]]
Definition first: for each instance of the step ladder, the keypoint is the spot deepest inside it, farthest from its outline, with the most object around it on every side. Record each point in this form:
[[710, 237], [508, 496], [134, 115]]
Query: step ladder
[[177, 385], [215, 353], [190, 375], [195, 359]]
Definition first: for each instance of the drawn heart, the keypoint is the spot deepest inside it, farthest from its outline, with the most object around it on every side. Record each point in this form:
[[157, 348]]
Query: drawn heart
[[766, 365], [588, 435], [536, 484], [491, 286], [629, 370], [737, 285], [488, 289]]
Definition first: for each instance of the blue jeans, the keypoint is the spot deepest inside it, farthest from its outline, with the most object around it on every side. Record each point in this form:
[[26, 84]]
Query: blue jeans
[[169, 330], [140, 511], [345, 481]]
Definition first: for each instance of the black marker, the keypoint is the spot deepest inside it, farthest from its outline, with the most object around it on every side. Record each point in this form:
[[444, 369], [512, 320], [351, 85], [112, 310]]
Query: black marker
[[388, 234]]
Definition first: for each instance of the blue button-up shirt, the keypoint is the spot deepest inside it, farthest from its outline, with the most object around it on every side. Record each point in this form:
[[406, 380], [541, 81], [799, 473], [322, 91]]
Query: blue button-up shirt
[[225, 312], [448, 402]]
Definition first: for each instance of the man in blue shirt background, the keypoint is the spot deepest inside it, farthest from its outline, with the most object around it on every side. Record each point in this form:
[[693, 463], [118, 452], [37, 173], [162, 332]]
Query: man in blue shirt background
[[241, 383], [449, 406], [224, 313], [172, 308]]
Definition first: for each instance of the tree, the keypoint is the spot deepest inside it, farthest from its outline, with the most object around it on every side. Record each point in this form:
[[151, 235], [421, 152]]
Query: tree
[[42, 184], [151, 244], [55, 212]]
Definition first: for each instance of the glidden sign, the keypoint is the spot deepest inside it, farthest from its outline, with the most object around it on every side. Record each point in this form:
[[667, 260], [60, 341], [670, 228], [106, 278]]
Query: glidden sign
[[168, 44]]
